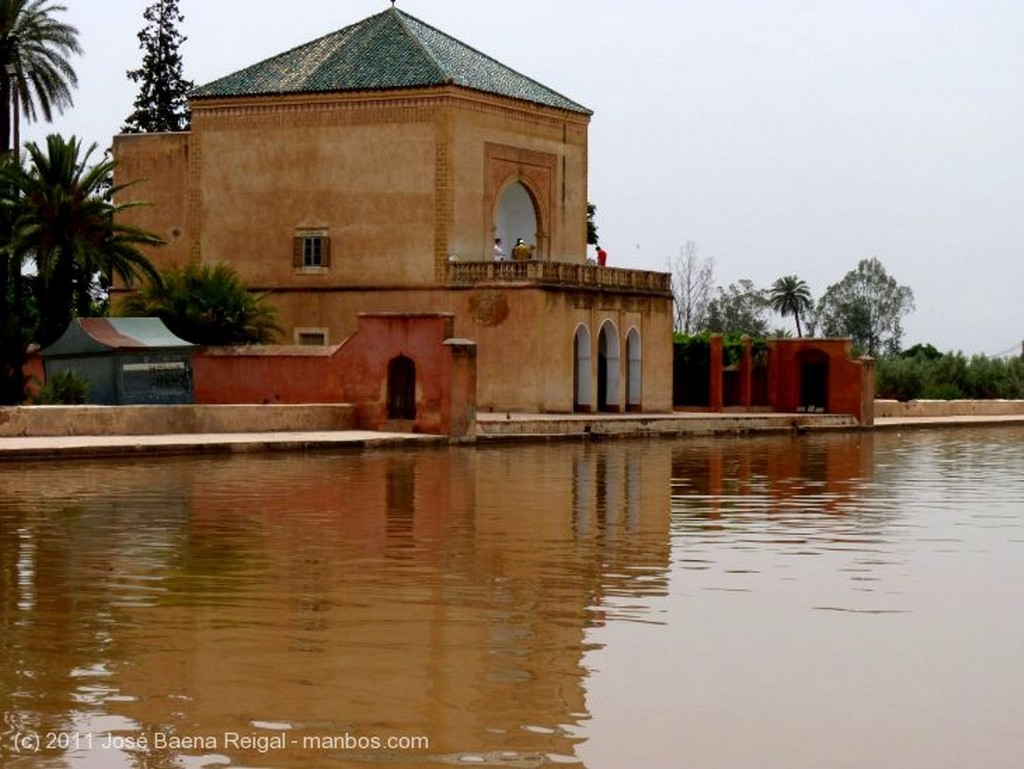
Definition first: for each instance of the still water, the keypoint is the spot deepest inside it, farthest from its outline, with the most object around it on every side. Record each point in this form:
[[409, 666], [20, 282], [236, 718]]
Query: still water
[[819, 601]]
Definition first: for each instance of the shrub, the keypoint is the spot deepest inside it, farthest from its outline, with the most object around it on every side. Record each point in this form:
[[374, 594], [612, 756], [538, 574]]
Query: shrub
[[917, 373], [901, 379], [942, 392], [62, 388]]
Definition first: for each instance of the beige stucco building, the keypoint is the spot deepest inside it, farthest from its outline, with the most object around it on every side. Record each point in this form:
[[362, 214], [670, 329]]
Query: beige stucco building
[[372, 170]]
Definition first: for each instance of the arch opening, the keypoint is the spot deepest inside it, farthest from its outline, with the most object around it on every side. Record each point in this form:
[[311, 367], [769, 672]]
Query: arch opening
[[634, 367], [814, 370], [581, 392], [401, 388], [608, 368], [515, 217]]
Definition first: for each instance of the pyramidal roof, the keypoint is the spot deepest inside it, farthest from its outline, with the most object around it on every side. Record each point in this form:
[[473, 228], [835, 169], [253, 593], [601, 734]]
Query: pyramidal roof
[[389, 50]]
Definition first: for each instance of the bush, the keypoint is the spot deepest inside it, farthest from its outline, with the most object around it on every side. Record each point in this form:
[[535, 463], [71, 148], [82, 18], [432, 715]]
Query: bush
[[206, 304], [942, 392], [900, 379], [917, 373], [63, 388]]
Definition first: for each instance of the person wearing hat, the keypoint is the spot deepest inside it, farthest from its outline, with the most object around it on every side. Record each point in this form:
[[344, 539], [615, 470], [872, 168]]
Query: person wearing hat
[[521, 252]]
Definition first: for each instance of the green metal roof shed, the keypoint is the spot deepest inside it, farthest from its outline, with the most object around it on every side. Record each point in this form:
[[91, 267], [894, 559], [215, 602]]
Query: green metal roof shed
[[126, 361]]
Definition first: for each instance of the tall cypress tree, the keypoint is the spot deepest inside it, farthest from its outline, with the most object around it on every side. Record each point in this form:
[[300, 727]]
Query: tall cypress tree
[[161, 104]]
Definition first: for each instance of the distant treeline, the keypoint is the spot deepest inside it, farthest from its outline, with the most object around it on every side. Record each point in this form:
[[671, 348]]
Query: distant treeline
[[922, 372]]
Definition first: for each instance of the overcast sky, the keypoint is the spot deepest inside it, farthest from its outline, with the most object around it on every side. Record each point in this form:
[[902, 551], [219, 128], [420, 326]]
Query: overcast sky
[[782, 137]]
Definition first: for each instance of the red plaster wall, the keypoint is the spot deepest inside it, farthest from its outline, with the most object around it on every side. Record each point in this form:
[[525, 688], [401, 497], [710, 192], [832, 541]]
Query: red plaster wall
[[263, 375], [845, 376], [354, 372], [364, 360]]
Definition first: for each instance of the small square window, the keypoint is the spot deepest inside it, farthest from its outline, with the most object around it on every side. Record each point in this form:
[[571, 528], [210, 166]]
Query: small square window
[[311, 338], [311, 250]]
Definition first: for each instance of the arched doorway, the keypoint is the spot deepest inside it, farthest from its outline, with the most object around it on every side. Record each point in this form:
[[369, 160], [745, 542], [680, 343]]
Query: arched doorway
[[634, 381], [515, 216], [608, 368], [401, 388], [813, 366], [581, 400]]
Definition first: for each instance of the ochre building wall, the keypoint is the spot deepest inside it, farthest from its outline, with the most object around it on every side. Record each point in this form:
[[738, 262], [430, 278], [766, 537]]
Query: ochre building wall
[[156, 168], [401, 183]]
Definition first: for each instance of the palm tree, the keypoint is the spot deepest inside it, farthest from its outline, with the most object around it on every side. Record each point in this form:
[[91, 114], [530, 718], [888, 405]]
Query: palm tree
[[205, 304], [34, 53], [790, 296], [63, 217]]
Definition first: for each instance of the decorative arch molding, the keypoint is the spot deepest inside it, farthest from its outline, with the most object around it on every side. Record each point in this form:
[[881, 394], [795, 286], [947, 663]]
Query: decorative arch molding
[[536, 171]]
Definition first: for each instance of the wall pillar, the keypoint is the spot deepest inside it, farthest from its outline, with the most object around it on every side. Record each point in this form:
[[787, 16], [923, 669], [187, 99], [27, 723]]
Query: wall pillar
[[746, 373], [462, 389], [715, 372], [866, 417]]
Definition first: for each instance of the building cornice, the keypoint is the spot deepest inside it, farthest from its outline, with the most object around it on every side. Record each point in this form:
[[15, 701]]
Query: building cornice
[[451, 97]]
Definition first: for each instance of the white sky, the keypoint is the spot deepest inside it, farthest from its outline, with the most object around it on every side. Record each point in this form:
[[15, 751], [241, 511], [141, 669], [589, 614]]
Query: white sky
[[781, 136]]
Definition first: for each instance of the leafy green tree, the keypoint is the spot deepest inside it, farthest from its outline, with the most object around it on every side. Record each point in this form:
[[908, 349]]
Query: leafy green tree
[[205, 304], [739, 309], [162, 103], [867, 305], [34, 52], [35, 48], [591, 225], [63, 218], [925, 351], [789, 295], [16, 327]]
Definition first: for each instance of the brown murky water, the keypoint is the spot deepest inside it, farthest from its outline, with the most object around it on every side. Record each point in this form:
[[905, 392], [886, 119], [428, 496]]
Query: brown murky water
[[825, 601]]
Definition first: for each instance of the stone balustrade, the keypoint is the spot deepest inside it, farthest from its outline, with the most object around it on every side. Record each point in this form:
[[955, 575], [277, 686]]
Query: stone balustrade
[[564, 274]]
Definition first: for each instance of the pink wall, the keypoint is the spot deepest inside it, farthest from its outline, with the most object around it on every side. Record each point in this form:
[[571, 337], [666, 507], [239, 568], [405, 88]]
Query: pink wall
[[849, 390], [850, 384], [355, 372]]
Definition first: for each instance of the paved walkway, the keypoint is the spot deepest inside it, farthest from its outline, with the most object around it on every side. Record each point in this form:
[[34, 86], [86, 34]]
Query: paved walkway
[[56, 447], [890, 423]]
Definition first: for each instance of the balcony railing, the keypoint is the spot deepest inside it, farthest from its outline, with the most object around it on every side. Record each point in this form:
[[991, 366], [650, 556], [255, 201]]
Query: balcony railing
[[563, 274]]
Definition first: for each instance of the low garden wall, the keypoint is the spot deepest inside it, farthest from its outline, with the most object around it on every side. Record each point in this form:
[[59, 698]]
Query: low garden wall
[[954, 408], [35, 421]]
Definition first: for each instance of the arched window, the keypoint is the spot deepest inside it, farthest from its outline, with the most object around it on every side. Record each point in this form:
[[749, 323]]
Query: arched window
[[401, 388]]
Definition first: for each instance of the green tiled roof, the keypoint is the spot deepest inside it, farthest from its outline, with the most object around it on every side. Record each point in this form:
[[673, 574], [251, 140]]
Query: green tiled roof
[[386, 51]]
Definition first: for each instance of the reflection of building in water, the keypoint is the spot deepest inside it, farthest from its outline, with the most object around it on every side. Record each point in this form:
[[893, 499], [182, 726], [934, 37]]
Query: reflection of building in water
[[719, 475], [74, 551], [445, 593]]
